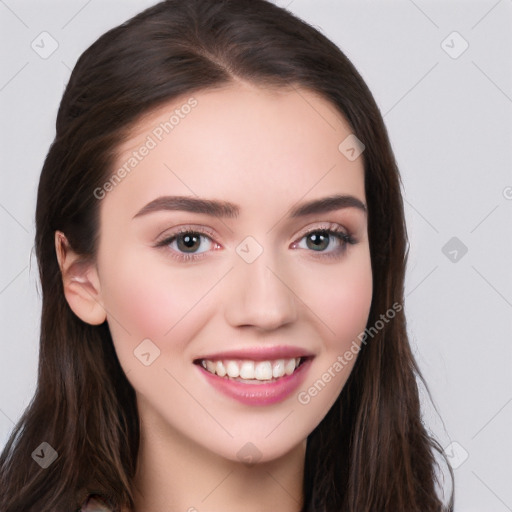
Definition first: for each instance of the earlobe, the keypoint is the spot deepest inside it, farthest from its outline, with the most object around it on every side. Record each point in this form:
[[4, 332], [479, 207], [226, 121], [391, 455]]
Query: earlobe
[[80, 281]]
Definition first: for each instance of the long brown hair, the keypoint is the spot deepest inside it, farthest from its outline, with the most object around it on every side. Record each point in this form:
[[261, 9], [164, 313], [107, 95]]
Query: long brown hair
[[371, 452]]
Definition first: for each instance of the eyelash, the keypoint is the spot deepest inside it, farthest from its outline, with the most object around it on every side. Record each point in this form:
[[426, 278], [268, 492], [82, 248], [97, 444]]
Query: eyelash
[[344, 237]]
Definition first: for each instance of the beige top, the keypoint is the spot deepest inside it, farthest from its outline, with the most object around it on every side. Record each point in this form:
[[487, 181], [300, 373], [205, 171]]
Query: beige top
[[95, 504]]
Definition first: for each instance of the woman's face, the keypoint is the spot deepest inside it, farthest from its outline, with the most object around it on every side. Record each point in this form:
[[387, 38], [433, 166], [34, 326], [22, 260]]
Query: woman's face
[[254, 284]]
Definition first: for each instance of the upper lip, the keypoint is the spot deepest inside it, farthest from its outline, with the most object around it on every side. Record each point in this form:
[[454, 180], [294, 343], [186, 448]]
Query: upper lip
[[259, 354]]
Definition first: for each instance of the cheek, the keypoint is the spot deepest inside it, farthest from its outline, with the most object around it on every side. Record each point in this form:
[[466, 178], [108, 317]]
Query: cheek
[[141, 305], [348, 310], [342, 303], [342, 300], [145, 301], [148, 299]]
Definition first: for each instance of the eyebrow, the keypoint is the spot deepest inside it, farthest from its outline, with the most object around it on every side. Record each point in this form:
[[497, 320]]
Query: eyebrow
[[225, 209]]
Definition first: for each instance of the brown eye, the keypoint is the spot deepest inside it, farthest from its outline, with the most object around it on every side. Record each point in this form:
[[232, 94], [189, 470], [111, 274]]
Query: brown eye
[[188, 242], [319, 241], [184, 244]]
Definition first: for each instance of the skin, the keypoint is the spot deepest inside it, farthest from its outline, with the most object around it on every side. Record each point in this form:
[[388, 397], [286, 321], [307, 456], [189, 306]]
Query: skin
[[265, 150]]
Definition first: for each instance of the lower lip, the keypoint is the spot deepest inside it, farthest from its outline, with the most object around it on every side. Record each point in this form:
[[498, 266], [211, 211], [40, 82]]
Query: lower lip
[[259, 394]]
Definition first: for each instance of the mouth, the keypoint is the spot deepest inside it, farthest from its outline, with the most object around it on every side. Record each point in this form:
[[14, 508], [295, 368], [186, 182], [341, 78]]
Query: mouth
[[256, 382], [252, 371]]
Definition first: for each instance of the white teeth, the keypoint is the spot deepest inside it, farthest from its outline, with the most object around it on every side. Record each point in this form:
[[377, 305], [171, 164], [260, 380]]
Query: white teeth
[[220, 370], [289, 366], [232, 369], [263, 371], [278, 368], [252, 370], [247, 370]]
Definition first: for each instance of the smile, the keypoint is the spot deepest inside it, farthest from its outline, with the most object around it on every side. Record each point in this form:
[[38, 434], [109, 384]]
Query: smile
[[252, 371], [252, 382]]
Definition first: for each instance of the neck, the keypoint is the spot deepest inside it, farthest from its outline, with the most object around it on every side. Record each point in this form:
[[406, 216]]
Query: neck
[[175, 474]]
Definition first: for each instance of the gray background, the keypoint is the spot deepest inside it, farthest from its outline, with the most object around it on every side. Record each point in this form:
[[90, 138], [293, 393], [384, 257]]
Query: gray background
[[449, 118]]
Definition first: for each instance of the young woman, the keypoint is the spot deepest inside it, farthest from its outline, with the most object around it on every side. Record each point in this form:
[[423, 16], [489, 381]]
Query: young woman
[[222, 249]]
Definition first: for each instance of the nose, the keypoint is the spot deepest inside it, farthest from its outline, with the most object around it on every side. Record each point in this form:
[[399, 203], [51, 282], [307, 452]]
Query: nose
[[260, 295]]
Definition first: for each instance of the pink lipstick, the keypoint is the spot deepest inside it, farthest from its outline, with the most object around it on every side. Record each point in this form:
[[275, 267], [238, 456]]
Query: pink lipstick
[[258, 376]]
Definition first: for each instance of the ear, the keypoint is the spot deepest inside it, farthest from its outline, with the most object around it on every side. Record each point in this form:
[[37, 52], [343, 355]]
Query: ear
[[81, 283]]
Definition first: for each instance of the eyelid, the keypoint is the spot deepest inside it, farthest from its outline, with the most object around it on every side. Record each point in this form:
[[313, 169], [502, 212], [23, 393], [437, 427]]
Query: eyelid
[[343, 234], [177, 230], [344, 237], [164, 241], [324, 226], [213, 235]]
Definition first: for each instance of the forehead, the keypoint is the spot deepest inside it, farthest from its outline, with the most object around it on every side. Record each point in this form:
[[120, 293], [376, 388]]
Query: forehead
[[244, 98], [239, 140]]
